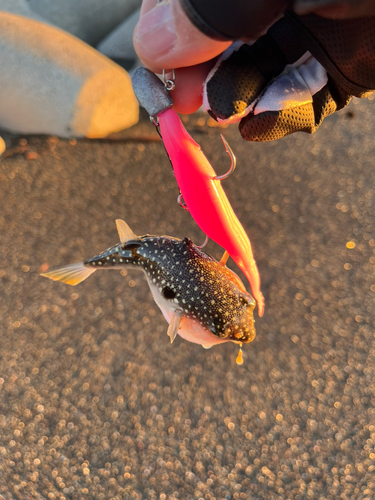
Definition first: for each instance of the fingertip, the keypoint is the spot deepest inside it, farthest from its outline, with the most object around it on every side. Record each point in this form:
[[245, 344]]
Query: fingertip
[[186, 104], [147, 5], [188, 93], [273, 125], [165, 38]]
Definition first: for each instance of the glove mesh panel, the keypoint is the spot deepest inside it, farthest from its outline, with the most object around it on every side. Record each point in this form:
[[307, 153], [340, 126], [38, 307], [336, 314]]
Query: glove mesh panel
[[272, 125], [353, 55], [323, 105]]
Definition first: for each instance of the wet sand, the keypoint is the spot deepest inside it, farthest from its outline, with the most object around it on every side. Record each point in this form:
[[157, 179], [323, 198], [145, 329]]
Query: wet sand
[[94, 401]]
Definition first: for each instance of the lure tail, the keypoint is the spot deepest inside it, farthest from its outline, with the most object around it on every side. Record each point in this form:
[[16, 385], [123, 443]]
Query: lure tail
[[73, 274]]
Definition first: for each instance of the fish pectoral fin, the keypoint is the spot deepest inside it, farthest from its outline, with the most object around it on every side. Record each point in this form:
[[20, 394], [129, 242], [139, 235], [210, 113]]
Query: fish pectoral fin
[[124, 231], [206, 346], [174, 325], [224, 258], [73, 274]]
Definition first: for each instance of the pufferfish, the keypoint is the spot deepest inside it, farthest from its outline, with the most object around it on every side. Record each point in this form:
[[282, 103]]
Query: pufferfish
[[202, 300]]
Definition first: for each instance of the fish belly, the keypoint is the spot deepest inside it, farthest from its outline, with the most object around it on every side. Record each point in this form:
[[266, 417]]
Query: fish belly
[[190, 329]]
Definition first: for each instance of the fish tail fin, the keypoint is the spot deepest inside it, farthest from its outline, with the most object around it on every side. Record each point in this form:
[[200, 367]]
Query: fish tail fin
[[73, 274]]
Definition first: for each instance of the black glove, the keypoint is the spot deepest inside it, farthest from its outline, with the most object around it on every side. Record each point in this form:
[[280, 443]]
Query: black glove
[[274, 87], [304, 69], [248, 19]]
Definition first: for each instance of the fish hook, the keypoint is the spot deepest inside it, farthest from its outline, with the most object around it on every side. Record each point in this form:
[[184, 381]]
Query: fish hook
[[204, 243], [182, 203], [232, 159]]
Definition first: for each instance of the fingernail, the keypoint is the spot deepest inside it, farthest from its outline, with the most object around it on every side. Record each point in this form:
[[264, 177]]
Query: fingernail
[[155, 32]]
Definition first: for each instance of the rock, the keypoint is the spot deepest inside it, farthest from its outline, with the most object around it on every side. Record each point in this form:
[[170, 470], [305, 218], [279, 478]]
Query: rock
[[118, 45], [89, 20], [20, 7], [53, 83]]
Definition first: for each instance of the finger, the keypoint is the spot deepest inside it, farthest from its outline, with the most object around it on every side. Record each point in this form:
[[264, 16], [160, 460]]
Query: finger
[[273, 125], [147, 5], [233, 85], [165, 38], [187, 95], [306, 117]]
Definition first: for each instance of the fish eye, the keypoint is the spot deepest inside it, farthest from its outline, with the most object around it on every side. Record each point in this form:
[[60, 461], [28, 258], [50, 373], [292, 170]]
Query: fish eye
[[168, 293]]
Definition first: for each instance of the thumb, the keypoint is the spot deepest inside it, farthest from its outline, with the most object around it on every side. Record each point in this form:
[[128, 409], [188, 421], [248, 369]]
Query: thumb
[[165, 38]]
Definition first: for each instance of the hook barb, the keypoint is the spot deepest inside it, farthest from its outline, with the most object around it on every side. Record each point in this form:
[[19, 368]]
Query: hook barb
[[232, 160], [204, 243], [181, 202]]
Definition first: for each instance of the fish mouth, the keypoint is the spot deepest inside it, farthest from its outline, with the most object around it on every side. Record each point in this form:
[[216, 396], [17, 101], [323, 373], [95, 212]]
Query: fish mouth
[[241, 329], [250, 335]]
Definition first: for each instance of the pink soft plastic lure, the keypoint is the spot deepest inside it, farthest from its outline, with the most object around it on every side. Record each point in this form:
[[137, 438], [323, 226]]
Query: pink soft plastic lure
[[206, 200], [201, 189]]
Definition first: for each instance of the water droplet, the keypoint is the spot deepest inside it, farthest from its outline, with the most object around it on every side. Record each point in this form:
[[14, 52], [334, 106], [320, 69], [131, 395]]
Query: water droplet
[[239, 359]]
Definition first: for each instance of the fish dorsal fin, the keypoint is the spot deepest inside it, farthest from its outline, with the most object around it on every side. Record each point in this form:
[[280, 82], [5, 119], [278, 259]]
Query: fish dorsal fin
[[124, 231], [174, 325]]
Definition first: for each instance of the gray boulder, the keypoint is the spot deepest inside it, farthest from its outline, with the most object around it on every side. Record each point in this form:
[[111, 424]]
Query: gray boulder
[[20, 7], [118, 45], [89, 20], [53, 83]]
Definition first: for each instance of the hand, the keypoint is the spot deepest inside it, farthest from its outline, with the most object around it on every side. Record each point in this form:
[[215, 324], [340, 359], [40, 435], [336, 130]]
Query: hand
[[246, 85], [165, 38], [275, 87]]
